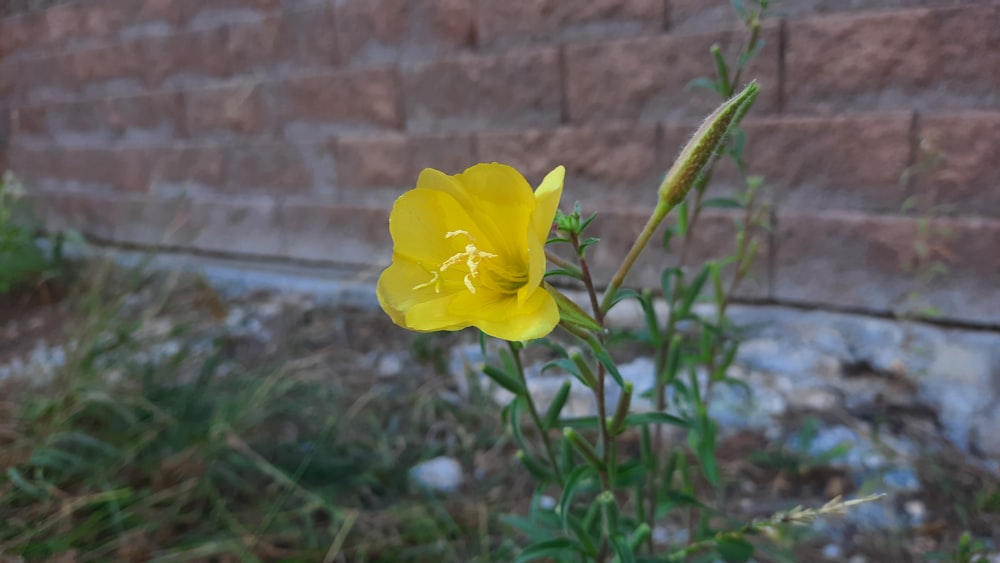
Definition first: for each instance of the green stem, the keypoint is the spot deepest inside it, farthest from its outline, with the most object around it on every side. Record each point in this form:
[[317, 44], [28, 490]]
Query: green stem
[[533, 409], [661, 211]]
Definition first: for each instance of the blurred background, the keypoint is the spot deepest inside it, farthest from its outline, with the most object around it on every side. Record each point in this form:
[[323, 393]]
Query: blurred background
[[285, 129]]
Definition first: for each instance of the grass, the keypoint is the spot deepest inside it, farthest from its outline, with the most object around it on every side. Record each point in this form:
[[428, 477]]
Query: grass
[[165, 447]]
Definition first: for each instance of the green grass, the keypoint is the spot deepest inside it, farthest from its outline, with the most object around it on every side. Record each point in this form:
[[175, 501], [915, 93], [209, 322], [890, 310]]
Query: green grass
[[194, 457]]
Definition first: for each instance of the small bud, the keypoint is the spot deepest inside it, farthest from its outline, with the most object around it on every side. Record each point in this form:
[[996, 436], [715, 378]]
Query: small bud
[[702, 148], [581, 445]]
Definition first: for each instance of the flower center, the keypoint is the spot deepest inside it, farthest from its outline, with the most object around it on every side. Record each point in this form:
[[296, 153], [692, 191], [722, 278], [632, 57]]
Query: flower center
[[471, 258]]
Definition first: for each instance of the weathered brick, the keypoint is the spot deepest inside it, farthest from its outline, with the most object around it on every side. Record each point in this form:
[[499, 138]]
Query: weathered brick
[[647, 78], [221, 52], [141, 118], [188, 169], [91, 215], [240, 109], [22, 33], [373, 170], [90, 69], [713, 239], [872, 262], [382, 31], [315, 104], [274, 168], [12, 86], [202, 13], [515, 21], [702, 15], [606, 167], [153, 117], [854, 162], [29, 122], [958, 171], [922, 59], [308, 37], [100, 170], [235, 227], [334, 233], [186, 57], [467, 93]]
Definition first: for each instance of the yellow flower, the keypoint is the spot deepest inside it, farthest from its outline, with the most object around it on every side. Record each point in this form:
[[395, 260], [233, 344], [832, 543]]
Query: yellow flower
[[469, 250]]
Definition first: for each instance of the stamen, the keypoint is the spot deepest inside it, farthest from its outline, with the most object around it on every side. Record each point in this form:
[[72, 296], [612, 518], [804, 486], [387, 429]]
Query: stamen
[[472, 257], [434, 281]]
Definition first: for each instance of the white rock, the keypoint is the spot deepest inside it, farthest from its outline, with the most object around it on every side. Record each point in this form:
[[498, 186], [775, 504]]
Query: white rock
[[389, 365], [441, 474]]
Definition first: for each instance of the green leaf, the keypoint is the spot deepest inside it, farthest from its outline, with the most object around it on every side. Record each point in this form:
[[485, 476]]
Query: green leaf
[[734, 549], [575, 274], [578, 479], [504, 379], [588, 242], [602, 355], [692, 291], [570, 312], [536, 467], [587, 540], [573, 368], [551, 419], [722, 203], [705, 83], [553, 548], [515, 422], [643, 418], [623, 551]]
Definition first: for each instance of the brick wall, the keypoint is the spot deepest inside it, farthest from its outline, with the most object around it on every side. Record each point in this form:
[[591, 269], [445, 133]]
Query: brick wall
[[284, 129]]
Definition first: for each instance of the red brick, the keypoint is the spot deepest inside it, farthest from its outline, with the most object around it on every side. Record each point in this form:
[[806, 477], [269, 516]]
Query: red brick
[[231, 227], [22, 33], [647, 78], [822, 163], [89, 67], [713, 239], [205, 13], [45, 78], [870, 262], [12, 86], [394, 162], [192, 168], [308, 37], [614, 167], [339, 234], [155, 116], [234, 227], [219, 52], [91, 215], [514, 21], [380, 31], [958, 170], [29, 122], [702, 15], [923, 59], [101, 170], [348, 98], [275, 168], [517, 88], [240, 109], [192, 54]]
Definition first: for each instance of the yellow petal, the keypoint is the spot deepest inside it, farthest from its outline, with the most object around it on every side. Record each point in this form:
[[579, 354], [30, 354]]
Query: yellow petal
[[436, 314], [419, 224], [504, 316], [547, 196], [498, 199]]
